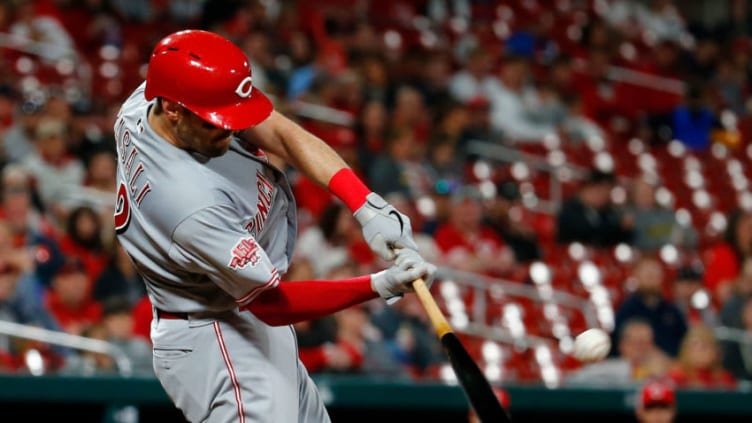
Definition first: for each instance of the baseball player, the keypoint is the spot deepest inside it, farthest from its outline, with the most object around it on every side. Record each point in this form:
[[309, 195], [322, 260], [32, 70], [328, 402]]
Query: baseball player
[[210, 225], [656, 402]]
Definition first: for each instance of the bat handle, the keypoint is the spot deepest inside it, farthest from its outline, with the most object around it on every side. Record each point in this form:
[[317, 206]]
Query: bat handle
[[439, 322]]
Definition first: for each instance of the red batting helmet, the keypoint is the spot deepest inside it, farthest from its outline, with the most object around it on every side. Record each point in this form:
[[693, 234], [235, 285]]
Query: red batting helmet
[[657, 393], [208, 75]]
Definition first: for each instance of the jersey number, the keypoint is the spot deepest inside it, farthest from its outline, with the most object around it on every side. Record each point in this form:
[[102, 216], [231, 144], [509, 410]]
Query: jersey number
[[122, 209]]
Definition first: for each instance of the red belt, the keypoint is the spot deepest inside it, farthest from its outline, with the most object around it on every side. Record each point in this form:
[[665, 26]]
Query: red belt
[[161, 314]]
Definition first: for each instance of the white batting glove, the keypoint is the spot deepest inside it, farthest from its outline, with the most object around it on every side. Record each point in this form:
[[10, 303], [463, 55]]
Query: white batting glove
[[384, 227], [395, 281]]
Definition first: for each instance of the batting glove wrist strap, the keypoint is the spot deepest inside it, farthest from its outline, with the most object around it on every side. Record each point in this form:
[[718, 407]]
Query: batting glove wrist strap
[[384, 227], [346, 185]]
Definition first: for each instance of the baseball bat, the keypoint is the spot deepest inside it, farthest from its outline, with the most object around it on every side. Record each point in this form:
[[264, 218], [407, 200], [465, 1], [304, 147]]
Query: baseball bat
[[475, 385]]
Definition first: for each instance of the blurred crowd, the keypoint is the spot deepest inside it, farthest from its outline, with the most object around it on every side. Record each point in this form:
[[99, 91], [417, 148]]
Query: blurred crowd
[[401, 89]]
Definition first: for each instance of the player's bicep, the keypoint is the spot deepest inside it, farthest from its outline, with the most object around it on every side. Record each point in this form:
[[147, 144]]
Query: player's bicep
[[212, 242], [270, 135]]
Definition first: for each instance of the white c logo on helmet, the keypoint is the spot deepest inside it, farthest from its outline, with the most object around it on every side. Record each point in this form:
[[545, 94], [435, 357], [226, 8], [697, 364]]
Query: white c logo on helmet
[[245, 87]]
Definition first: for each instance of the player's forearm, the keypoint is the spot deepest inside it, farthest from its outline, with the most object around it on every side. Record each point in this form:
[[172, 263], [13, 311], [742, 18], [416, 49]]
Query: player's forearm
[[298, 301]]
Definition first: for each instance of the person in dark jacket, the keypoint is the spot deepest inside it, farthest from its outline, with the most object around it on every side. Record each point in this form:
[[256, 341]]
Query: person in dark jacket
[[648, 302], [590, 218]]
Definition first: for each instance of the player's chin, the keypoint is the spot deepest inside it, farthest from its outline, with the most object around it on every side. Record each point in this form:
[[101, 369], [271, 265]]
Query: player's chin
[[217, 151], [217, 148]]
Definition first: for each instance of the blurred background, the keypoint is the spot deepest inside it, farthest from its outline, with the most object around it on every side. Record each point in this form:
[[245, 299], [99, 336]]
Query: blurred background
[[569, 163]]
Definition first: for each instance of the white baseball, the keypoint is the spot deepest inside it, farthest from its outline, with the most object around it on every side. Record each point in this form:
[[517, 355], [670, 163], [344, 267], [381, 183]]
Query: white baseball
[[592, 345]]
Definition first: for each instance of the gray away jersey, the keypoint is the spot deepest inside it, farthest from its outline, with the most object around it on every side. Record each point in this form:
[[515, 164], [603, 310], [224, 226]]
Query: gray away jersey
[[206, 234]]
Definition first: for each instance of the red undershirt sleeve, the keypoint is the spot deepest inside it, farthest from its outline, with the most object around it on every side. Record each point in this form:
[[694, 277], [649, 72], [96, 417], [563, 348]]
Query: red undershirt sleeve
[[313, 358], [298, 301]]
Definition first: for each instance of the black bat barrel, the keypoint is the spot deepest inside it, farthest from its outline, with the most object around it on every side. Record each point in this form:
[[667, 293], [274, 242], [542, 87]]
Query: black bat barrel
[[476, 386]]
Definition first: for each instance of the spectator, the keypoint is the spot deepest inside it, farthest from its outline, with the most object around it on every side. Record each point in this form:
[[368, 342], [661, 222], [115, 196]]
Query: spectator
[[550, 110], [376, 83], [443, 162], [440, 205], [387, 172], [19, 138], [356, 330], [30, 27], [699, 361], [561, 75], [68, 299], [478, 127], [396, 170], [306, 69], [258, 46], [648, 302], [723, 261], [638, 359], [119, 280], [700, 62], [503, 214], [100, 173], [408, 335], [93, 25], [99, 185], [333, 242], [576, 125], [20, 301], [603, 99], [657, 21], [118, 323], [435, 77], [692, 123], [410, 114], [691, 298], [741, 291], [513, 102], [26, 290], [116, 328], [466, 243], [730, 84], [83, 240], [31, 233], [54, 170], [654, 226], [318, 348], [469, 81], [345, 342], [371, 130], [450, 124], [590, 218], [656, 402], [737, 355]]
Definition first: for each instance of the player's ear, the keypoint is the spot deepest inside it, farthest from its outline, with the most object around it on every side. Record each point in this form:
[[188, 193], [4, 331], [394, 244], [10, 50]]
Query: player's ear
[[171, 109]]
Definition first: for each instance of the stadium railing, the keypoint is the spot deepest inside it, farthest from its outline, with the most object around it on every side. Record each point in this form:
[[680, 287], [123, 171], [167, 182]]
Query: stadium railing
[[62, 339]]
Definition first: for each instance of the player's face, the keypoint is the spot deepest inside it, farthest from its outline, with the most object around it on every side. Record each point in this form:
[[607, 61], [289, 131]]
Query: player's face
[[656, 415], [200, 136]]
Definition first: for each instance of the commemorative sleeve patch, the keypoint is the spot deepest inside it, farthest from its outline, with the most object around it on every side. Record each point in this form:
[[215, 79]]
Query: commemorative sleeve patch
[[244, 253]]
